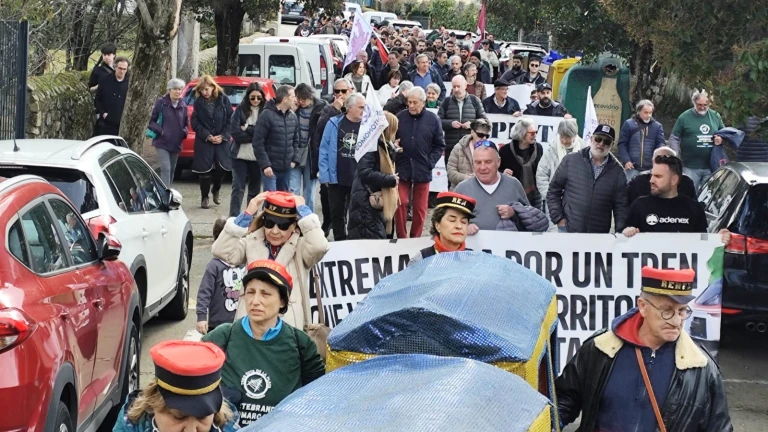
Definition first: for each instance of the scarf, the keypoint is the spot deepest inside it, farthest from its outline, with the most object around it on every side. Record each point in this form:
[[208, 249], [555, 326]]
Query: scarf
[[440, 247], [528, 177], [358, 82], [390, 196], [576, 145], [431, 104]]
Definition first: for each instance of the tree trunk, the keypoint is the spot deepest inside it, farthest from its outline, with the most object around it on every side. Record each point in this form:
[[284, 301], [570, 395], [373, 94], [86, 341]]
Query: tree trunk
[[229, 21], [650, 76], [158, 23], [82, 53]]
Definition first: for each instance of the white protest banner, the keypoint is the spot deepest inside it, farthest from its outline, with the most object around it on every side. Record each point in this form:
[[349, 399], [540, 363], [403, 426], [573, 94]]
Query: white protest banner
[[501, 127], [597, 276], [358, 38], [374, 122], [590, 117]]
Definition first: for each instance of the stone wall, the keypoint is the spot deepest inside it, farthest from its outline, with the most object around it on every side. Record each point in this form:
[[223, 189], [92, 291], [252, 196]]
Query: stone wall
[[59, 106]]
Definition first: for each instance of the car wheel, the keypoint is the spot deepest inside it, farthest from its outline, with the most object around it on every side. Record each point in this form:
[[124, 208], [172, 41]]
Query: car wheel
[[178, 307], [130, 379], [63, 419]]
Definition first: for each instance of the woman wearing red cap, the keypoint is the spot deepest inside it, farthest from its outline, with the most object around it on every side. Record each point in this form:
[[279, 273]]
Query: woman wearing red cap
[[450, 221], [285, 231], [266, 359], [185, 394]]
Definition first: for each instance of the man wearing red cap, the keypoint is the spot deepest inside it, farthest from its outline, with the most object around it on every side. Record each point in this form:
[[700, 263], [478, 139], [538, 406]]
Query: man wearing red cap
[[645, 373]]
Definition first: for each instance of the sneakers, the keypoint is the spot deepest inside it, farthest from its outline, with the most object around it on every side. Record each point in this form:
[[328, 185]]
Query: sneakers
[[216, 199], [204, 203]]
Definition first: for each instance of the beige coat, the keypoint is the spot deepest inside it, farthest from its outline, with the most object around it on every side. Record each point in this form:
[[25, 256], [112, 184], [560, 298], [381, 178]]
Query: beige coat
[[460, 164], [299, 254]]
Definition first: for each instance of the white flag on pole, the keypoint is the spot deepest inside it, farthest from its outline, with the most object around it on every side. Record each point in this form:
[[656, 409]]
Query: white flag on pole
[[590, 118], [358, 38], [373, 124]]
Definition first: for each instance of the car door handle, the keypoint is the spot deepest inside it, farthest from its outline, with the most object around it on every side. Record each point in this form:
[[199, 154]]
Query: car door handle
[[98, 303], [163, 231], [144, 234]]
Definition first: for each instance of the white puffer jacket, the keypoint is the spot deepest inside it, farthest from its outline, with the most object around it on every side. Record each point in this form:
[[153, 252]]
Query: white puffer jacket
[[299, 254]]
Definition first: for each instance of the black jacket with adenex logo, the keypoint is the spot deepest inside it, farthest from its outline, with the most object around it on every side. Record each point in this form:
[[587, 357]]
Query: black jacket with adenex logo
[[667, 215]]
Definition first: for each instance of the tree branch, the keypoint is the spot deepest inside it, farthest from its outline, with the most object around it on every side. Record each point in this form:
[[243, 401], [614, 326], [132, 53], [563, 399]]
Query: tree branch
[[145, 17], [176, 18]]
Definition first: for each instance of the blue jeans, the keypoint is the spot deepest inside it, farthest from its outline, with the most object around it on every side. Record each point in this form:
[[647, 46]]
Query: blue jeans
[[698, 175], [303, 175], [278, 181]]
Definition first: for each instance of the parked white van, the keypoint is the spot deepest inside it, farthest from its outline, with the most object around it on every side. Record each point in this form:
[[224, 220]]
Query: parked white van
[[284, 63], [375, 17], [350, 9], [318, 52]]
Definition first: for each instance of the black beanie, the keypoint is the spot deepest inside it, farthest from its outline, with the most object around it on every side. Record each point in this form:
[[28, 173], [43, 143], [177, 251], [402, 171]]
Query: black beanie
[[476, 54]]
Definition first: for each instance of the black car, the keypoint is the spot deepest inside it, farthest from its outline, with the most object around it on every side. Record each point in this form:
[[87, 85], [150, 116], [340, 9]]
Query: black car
[[293, 13], [736, 198]]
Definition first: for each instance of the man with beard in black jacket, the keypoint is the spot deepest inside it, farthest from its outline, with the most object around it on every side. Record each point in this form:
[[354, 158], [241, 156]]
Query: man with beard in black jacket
[[110, 99], [342, 88], [646, 371], [544, 105], [640, 185]]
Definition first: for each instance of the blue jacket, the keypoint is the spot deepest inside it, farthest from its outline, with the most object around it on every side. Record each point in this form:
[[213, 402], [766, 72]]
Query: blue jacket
[[329, 152], [436, 79], [421, 138], [637, 143], [145, 422]]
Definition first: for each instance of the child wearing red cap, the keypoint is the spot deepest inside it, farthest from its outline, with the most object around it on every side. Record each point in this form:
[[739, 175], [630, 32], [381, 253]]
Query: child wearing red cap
[[277, 226], [185, 394]]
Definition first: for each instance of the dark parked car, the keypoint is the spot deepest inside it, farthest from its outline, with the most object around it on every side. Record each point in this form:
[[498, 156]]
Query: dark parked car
[[736, 198], [293, 13]]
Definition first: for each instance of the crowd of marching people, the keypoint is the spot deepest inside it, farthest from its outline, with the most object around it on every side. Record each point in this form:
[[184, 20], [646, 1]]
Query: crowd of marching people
[[253, 302]]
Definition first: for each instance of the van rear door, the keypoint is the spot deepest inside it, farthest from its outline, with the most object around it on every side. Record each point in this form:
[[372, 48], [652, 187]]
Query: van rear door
[[282, 64], [250, 60]]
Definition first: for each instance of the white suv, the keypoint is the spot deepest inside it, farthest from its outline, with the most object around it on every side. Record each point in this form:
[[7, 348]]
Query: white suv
[[116, 191]]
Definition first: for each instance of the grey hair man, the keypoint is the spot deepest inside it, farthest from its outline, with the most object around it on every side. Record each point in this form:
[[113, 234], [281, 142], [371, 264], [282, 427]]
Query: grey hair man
[[425, 74], [337, 164], [693, 137], [421, 140], [565, 142], [640, 136], [400, 101], [457, 113], [499, 197]]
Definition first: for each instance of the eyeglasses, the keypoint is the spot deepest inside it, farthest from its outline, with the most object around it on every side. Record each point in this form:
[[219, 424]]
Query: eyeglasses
[[534, 65], [284, 226], [486, 143], [668, 314], [534, 133], [603, 140], [255, 98], [342, 91]]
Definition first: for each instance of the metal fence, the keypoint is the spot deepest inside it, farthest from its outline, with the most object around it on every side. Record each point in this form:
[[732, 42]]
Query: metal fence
[[14, 45]]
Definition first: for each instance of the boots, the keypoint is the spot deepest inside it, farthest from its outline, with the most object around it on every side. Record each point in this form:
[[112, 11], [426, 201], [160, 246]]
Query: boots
[[204, 203]]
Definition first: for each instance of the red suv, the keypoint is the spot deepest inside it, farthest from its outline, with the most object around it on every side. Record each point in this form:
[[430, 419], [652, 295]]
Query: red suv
[[234, 87], [70, 315]]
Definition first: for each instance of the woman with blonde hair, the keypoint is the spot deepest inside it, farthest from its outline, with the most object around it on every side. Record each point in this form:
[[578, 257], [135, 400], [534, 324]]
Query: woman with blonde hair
[[211, 120], [185, 395], [374, 191]]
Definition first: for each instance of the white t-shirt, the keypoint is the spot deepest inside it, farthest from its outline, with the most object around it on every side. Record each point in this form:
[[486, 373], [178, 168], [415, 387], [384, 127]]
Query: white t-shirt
[[491, 188]]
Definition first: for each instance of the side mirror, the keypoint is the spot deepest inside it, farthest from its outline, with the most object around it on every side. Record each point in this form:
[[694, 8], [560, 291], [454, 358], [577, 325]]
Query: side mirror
[[109, 247], [174, 199]]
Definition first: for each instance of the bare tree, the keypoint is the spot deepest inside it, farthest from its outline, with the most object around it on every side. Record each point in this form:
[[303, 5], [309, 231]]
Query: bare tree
[[158, 24]]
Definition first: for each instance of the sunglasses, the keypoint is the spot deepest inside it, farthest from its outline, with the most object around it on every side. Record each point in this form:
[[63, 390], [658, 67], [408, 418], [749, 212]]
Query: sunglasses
[[481, 135], [603, 140], [342, 91], [284, 226], [486, 143], [534, 65], [255, 98], [534, 133]]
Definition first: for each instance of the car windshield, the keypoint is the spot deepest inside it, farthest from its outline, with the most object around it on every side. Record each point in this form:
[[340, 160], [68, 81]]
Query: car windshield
[[753, 220], [73, 183], [235, 93]]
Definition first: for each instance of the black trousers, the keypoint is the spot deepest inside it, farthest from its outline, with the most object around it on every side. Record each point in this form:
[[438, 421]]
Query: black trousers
[[326, 207], [243, 172], [338, 197], [212, 177]]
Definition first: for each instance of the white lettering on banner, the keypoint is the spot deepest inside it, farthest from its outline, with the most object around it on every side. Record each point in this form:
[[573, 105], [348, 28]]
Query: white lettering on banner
[[501, 127], [597, 276]]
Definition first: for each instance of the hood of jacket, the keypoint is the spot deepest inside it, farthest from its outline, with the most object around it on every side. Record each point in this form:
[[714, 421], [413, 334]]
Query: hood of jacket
[[624, 329]]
